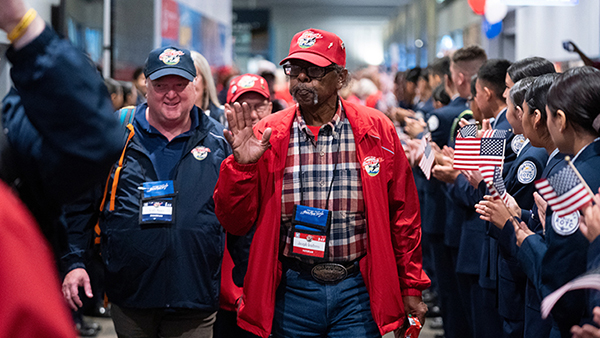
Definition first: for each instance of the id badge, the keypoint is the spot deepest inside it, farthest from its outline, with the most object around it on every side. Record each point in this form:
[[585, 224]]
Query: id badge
[[157, 202], [310, 228]]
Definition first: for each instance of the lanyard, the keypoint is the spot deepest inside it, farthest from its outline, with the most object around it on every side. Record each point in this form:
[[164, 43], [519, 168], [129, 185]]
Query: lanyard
[[336, 160]]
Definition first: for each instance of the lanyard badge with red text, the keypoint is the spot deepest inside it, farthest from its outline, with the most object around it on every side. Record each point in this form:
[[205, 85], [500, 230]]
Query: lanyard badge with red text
[[310, 228]]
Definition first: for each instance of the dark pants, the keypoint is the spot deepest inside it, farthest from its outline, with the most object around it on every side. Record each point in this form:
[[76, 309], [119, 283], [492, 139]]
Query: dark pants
[[226, 326], [454, 315], [162, 323], [483, 315]]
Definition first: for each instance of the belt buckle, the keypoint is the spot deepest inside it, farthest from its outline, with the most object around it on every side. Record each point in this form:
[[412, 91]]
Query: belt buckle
[[329, 272]]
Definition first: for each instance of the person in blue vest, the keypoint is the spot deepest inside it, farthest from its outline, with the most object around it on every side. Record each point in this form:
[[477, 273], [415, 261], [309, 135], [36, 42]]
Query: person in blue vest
[[161, 241], [442, 217]]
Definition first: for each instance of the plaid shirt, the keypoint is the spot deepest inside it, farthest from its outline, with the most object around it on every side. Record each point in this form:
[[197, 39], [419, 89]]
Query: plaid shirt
[[348, 231]]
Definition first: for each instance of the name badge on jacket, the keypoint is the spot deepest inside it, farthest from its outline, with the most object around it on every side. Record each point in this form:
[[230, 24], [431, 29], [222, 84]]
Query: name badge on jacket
[[310, 228], [157, 202]]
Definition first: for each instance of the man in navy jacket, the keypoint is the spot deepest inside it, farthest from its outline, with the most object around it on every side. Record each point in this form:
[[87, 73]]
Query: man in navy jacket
[[161, 242]]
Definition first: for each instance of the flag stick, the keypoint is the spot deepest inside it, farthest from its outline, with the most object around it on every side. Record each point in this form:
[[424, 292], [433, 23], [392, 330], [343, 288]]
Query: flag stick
[[568, 159]]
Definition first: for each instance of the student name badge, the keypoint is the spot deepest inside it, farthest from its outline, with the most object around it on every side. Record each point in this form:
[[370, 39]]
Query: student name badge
[[157, 202], [310, 228]]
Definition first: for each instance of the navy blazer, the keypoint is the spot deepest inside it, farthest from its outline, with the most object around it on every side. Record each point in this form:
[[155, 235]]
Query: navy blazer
[[510, 154], [519, 182], [440, 120]]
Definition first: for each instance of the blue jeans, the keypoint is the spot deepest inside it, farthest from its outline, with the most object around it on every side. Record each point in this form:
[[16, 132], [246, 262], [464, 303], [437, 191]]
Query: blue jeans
[[307, 308]]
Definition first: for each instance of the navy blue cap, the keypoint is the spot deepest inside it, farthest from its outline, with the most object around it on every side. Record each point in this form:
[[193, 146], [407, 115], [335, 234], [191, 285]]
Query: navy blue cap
[[170, 61]]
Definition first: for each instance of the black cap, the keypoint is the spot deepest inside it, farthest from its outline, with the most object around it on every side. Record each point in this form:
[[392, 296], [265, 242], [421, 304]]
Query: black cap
[[170, 61]]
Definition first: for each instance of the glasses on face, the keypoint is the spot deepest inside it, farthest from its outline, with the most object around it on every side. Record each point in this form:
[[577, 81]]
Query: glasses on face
[[260, 108], [314, 72]]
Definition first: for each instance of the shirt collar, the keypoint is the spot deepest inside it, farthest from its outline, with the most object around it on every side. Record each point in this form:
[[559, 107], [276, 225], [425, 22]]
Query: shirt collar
[[498, 117], [140, 117], [582, 149], [337, 117], [522, 147], [554, 152]]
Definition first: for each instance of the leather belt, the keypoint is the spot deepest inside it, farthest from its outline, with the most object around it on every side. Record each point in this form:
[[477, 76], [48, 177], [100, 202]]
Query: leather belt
[[326, 273]]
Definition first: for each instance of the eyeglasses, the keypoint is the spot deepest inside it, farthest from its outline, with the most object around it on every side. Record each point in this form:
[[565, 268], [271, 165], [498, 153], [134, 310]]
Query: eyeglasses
[[259, 107], [314, 72]]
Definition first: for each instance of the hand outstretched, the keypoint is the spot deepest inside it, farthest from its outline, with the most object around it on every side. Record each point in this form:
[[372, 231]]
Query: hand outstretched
[[246, 147]]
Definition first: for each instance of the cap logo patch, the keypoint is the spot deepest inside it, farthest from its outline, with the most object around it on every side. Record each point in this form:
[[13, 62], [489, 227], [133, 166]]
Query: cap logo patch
[[170, 56], [308, 39], [247, 81]]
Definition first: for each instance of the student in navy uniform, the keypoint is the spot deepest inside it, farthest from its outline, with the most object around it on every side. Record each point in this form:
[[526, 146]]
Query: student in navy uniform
[[436, 74], [527, 168], [573, 109], [532, 250], [489, 258], [464, 64], [480, 302]]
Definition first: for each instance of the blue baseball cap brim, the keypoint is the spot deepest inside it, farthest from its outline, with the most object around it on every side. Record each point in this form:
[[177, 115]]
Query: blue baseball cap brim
[[171, 71]]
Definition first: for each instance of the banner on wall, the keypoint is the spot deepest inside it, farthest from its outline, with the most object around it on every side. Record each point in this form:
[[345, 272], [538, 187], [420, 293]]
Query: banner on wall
[[185, 27]]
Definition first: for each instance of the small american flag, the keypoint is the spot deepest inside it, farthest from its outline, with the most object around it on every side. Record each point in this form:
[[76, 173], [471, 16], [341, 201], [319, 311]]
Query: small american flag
[[564, 191], [428, 156], [589, 280], [495, 133], [492, 175], [471, 153], [470, 130]]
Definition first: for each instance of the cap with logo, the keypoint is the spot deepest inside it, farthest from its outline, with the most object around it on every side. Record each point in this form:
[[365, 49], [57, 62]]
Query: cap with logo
[[247, 83], [170, 61], [318, 47]]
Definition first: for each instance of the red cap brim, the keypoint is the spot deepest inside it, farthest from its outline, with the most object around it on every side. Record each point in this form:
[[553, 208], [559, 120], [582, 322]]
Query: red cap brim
[[313, 58]]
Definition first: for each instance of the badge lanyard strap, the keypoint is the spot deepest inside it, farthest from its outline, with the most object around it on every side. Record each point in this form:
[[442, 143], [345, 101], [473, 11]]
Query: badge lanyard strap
[[334, 170]]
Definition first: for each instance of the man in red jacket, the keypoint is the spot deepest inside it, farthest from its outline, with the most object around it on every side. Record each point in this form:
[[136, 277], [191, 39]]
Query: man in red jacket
[[337, 245]]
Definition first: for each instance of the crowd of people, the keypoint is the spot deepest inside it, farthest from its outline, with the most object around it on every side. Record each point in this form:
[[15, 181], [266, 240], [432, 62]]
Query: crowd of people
[[330, 207]]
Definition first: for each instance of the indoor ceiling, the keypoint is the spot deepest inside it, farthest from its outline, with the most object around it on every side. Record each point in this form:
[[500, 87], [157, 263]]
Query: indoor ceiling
[[365, 8], [320, 3], [377, 7]]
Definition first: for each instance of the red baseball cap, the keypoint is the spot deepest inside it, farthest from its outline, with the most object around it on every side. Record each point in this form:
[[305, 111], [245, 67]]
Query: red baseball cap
[[318, 47], [247, 83]]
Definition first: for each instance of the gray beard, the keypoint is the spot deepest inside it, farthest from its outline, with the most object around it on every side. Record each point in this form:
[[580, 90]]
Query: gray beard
[[312, 90]]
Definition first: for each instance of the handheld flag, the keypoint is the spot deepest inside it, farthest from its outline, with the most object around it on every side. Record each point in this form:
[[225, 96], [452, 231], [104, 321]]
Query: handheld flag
[[565, 191], [589, 280], [492, 175], [471, 153], [428, 156], [470, 130]]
